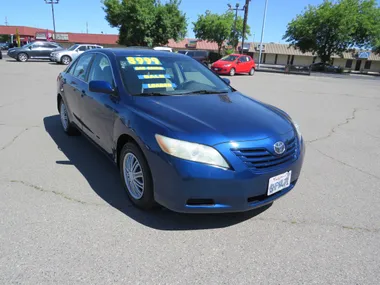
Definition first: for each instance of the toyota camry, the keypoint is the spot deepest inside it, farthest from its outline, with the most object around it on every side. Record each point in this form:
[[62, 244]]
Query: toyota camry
[[180, 135]]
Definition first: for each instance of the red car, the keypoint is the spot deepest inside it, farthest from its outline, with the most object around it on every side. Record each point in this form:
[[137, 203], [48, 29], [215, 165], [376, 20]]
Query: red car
[[233, 64]]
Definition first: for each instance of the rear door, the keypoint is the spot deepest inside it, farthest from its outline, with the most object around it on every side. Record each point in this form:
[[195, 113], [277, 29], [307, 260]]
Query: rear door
[[247, 64], [100, 110], [75, 86], [47, 49]]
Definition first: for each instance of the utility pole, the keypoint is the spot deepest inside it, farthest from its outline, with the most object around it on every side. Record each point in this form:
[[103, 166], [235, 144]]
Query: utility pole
[[262, 31], [52, 3], [236, 9], [6, 21], [87, 27], [244, 24]]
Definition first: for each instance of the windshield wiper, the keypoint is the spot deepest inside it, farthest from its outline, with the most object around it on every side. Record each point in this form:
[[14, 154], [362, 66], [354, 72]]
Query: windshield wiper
[[207, 92], [151, 94]]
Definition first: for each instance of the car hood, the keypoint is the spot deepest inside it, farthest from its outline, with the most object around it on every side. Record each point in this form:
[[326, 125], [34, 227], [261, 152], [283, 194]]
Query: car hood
[[214, 119]]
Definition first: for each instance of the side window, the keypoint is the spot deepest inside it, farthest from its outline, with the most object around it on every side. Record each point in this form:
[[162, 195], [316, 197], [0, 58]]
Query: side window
[[38, 45], [81, 66], [191, 53], [247, 58], [47, 45], [101, 70], [71, 68], [82, 48]]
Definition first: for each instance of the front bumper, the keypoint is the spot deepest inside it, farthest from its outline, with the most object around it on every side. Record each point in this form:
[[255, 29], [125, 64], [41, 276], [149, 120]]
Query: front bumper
[[221, 70], [54, 58], [191, 187]]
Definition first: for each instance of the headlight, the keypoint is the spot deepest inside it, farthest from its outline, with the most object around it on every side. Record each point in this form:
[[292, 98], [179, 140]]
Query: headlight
[[191, 151], [297, 127]]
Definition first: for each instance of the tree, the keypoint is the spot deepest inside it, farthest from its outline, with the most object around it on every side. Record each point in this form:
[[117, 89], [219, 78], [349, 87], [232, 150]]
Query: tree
[[333, 27], [146, 22], [235, 37], [219, 28]]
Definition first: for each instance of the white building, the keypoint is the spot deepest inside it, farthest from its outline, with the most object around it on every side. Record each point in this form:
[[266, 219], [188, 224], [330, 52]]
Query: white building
[[282, 54]]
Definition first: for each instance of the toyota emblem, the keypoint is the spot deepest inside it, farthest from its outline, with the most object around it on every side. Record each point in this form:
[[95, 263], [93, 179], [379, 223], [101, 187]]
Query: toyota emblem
[[279, 147]]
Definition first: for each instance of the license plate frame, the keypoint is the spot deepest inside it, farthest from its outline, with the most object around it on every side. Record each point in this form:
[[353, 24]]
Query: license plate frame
[[279, 182]]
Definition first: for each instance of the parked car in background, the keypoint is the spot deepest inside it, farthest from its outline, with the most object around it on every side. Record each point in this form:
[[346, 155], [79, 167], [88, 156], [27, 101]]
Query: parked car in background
[[34, 50], [68, 55], [168, 49], [181, 136], [325, 67], [234, 64], [199, 55], [4, 46]]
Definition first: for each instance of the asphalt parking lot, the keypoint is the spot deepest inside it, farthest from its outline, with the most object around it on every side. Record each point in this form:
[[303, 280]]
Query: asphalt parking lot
[[66, 220]]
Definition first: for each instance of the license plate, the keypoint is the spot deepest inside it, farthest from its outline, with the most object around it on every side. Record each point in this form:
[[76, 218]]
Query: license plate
[[279, 182]]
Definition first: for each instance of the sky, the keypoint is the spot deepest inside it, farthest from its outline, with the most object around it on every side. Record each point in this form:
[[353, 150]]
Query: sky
[[72, 15]]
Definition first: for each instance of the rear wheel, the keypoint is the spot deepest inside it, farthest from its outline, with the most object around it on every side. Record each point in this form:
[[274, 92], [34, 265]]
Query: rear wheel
[[136, 176], [67, 126], [252, 72], [23, 57], [232, 72], [66, 59]]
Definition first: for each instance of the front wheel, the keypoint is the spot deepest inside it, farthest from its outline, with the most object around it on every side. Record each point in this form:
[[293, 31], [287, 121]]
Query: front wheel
[[252, 72], [136, 176], [23, 57], [232, 72], [66, 60]]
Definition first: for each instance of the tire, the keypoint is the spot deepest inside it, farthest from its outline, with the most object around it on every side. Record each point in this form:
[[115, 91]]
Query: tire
[[252, 71], [23, 57], [67, 126], [66, 60], [232, 72], [139, 189]]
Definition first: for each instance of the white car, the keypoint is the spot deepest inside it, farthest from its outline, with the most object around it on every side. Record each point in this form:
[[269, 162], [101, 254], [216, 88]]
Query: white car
[[68, 55], [168, 49]]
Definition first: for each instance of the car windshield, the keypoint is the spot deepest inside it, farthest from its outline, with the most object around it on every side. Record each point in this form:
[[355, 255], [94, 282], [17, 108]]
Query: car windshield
[[229, 58], [168, 75], [73, 47]]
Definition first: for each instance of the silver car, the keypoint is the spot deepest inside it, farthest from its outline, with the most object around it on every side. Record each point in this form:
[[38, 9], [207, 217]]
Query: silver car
[[68, 55]]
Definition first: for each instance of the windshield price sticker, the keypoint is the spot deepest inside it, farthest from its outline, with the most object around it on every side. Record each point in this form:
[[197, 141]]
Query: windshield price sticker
[[154, 76], [136, 60], [158, 85], [149, 68]]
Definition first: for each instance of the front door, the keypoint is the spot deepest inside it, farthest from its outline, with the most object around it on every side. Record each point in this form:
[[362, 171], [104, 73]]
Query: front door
[[36, 50], [240, 64], [99, 110], [358, 64]]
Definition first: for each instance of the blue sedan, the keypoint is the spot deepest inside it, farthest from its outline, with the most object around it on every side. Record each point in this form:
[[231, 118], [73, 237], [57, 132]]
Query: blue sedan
[[180, 135]]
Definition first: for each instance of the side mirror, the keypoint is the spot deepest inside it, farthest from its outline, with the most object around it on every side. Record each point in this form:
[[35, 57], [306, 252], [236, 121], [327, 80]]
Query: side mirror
[[30, 47], [227, 80], [98, 86]]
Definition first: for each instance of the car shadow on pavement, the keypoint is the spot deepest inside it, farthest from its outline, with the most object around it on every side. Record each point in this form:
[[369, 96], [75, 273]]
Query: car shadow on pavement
[[103, 177]]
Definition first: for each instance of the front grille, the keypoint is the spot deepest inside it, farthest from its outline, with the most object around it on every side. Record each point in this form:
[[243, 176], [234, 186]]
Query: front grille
[[261, 158]]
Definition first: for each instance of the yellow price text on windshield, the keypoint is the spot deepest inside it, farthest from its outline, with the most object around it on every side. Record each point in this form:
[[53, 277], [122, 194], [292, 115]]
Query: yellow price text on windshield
[[136, 60], [148, 68], [158, 85]]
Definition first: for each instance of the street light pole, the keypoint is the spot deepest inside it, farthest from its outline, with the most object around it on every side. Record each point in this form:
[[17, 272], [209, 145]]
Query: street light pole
[[52, 3], [262, 31], [236, 9], [244, 24]]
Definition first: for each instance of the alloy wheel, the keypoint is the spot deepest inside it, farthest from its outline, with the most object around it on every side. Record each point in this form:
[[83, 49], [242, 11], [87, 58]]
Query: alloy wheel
[[133, 176], [64, 117]]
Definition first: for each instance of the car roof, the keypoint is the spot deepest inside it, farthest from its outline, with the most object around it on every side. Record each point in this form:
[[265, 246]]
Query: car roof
[[137, 51]]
